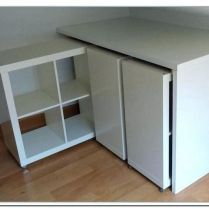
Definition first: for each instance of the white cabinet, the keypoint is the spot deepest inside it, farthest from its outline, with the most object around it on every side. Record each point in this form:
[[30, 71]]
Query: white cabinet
[[43, 78], [146, 97], [106, 89]]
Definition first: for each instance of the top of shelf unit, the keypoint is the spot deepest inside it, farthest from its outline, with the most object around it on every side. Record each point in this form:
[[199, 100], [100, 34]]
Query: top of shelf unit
[[160, 43], [39, 53]]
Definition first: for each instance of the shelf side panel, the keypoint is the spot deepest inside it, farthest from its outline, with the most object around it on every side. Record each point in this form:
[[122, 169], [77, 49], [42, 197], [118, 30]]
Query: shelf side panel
[[28, 77], [47, 79], [54, 122], [11, 129], [65, 70], [82, 74]]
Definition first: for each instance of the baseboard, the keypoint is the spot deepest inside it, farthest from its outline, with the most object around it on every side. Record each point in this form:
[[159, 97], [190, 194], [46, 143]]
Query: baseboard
[[71, 110], [1, 134], [32, 122], [37, 121]]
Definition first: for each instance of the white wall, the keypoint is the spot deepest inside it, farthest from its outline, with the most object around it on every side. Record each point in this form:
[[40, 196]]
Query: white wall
[[20, 26], [197, 17]]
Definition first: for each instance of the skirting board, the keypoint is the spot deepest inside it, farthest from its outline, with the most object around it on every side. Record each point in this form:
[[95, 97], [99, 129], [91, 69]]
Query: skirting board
[[37, 121]]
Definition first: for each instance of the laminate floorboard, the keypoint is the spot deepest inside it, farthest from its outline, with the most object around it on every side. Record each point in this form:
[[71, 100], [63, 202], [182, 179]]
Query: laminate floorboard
[[85, 173]]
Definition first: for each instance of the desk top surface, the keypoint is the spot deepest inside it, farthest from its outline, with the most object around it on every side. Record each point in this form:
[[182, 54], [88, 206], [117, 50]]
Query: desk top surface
[[164, 44]]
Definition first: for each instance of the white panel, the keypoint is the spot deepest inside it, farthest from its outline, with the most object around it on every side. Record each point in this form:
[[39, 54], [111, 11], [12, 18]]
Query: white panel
[[24, 81], [32, 103], [79, 127], [47, 80], [146, 97], [72, 91], [17, 144], [81, 69], [65, 69], [40, 141], [60, 100], [6, 127], [39, 53], [104, 68], [54, 122], [191, 119], [36, 94], [82, 74]]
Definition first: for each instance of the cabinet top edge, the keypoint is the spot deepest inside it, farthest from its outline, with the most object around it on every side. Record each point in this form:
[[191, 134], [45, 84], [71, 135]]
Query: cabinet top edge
[[39, 53], [160, 43]]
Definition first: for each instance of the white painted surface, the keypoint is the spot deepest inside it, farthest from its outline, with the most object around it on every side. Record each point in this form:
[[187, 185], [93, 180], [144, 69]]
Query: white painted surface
[[105, 79], [159, 43], [82, 74], [47, 80], [29, 84], [79, 127], [40, 140], [60, 100], [65, 69], [33, 102], [38, 93], [39, 53], [73, 90], [54, 121], [18, 143], [26, 25], [56, 149], [191, 119], [146, 97], [196, 17]]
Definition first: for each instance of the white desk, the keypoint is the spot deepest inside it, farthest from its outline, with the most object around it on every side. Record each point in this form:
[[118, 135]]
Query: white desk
[[186, 52], [163, 44]]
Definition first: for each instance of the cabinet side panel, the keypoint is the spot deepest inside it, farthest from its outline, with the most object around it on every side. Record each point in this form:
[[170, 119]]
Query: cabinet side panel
[[47, 79], [10, 128], [145, 113], [191, 119], [6, 126], [107, 102]]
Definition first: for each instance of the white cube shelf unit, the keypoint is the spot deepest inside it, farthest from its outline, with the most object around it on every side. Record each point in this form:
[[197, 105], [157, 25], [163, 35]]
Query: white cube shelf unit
[[43, 78]]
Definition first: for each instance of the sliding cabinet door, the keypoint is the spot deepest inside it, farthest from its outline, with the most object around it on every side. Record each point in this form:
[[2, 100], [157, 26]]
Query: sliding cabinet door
[[146, 97], [106, 89]]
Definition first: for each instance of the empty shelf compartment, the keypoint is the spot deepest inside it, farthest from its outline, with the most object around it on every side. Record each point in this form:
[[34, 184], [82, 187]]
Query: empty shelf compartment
[[72, 90], [72, 87], [79, 127], [45, 138], [40, 140], [33, 102], [34, 89]]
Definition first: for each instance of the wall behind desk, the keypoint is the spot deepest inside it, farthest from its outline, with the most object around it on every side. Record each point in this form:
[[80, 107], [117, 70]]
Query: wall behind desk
[[21, 26], [196, 17]]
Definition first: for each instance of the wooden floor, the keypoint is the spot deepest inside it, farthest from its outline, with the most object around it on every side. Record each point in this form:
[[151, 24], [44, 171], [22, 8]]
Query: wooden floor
[[87, 172]]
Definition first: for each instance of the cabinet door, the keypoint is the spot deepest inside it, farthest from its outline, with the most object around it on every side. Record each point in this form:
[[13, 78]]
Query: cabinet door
[[105, 79], [146, 97]]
